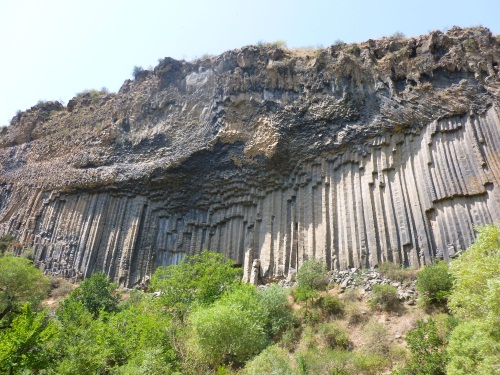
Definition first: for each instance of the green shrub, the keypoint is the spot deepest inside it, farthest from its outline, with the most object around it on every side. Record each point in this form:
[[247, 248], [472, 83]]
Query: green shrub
[[277, 44], [312, 274], [309, 337], [272, 361], [23, 345], [331, 305], [355, 314], [338, 362], [309, 316], [20, 282], [278, 310], [201, 278], [377, 339], [354, 50], [427, 351], [473, 273], [5, 242], [231, 330], [290, 338], [310, 278], [28, 253], [352, 295], [334, 336], [96, 294], [397, 35], [474, 345], [474, 348], [384, 297], [434, 283]]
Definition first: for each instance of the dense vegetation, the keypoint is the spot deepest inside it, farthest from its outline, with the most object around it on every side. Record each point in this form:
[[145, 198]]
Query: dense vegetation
[[203, 320]]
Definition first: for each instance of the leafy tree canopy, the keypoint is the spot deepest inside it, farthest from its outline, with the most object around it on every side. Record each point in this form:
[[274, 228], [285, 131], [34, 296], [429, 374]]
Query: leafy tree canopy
[[474, 346], [231, 330], [312, 274], [20, 282], [475, 273], [96, 294], [201, 278]]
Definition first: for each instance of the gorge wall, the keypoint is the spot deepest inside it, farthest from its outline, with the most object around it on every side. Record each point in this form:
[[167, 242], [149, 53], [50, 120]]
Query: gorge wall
[[387, 150]]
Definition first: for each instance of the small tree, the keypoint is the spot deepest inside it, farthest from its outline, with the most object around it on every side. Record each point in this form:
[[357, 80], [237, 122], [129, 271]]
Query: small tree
[[310, 279], [229, 331], [434, 283], [136, 71], [427, 351], [473, 271], [201, 278], [20, 282], [278, 310], [384, 297], [474, 346], [23, 346], [95, 293]]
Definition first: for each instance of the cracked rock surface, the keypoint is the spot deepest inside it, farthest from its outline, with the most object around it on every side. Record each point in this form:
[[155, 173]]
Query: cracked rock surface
[[387, 150]]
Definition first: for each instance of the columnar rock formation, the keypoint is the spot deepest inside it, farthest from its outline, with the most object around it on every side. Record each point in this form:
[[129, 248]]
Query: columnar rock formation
[[387, 150]]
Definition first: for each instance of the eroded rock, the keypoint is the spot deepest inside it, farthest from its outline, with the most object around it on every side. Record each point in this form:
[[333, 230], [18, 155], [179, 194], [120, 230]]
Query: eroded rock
[[356, 154]]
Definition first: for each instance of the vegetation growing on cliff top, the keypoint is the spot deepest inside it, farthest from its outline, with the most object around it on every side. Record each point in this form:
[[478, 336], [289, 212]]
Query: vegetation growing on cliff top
[[204, 320]]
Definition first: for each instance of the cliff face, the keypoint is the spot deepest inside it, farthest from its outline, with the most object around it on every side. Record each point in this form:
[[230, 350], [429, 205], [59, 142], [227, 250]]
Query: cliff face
[[387, 150]]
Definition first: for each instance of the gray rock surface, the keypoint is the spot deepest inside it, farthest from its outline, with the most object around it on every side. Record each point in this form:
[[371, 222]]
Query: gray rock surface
[[356, 154]]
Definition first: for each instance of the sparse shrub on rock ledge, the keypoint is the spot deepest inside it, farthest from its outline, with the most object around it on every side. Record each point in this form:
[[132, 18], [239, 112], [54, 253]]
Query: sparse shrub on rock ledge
[[384, 297]]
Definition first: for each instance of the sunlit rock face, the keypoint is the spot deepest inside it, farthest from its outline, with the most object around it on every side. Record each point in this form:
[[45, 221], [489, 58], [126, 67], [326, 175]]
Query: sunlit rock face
[[387, 150]]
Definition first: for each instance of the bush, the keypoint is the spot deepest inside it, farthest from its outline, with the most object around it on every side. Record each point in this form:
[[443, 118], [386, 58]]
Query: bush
[[434, 283], [397, 35], [377, 339], [338, 362], [474, 346], [23, 345], [278, 310], [473, 273], [96, 294], [355, 314], [334, 336], [28, 253], [310, 278], [312, 274], [5, 241], [427, 351], [309, 316], [384, 297], [137, 71], [201, 278], [290, 338], [331, 305], [272, 361], [20, 282], [231, 330], [474, 349]]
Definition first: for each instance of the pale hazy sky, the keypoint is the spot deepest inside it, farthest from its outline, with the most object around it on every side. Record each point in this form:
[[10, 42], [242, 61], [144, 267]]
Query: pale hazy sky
[[53, 49]]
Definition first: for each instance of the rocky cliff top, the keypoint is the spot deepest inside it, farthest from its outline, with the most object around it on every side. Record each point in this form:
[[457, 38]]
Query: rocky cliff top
[[259, 108]]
